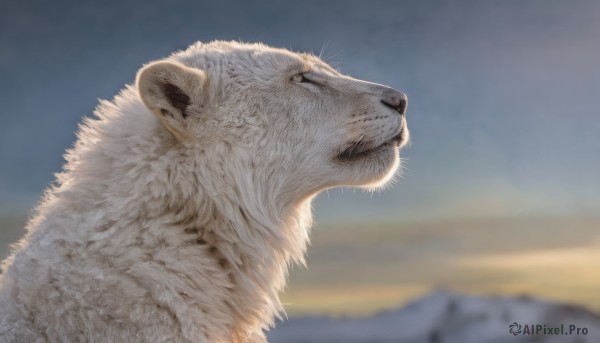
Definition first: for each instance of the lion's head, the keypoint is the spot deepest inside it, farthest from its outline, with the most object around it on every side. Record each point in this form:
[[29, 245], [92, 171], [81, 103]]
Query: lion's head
[[289, 117]]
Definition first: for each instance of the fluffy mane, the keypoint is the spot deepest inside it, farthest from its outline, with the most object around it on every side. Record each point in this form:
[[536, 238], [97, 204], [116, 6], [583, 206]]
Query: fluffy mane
[[175, 224]]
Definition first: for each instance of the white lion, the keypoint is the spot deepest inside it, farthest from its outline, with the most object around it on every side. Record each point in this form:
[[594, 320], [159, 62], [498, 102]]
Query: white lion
[[185, 200]]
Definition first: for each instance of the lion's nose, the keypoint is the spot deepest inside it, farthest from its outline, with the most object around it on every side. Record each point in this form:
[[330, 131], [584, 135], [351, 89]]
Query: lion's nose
[[396, 100]]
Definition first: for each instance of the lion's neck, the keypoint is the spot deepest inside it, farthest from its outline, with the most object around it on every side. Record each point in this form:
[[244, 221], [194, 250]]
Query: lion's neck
[[254, 237], [256, 250], [248, 240]]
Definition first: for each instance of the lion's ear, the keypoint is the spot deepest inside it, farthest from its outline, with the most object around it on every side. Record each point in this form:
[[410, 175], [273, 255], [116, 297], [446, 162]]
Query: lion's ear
[[171, 90]]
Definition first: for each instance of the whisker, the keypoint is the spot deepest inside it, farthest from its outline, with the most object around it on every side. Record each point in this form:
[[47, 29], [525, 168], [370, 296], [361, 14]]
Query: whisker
[[325, 45]]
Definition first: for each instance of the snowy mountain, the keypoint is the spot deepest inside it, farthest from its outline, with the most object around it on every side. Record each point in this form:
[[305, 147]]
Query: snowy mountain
[[450, 318]]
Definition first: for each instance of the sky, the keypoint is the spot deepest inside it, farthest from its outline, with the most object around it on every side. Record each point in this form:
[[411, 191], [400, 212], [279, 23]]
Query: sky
[[502, 94], [505, 154]]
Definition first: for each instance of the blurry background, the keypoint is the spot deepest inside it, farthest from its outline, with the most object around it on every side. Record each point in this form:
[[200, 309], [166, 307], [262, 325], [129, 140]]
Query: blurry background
[[501, 190]]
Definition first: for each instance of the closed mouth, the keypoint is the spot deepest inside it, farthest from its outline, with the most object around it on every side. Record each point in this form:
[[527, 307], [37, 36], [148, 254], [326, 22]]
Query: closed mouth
[[357, 151]]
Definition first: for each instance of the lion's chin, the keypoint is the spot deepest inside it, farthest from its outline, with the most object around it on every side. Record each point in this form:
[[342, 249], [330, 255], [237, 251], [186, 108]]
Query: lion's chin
[[372, 170], [385, 162], [352, 154]]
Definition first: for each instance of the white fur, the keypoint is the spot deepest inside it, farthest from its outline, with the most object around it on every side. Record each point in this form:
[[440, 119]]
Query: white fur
[[179, 225]]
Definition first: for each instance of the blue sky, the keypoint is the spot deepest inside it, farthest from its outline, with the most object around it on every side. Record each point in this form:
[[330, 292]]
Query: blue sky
[[502, 95]]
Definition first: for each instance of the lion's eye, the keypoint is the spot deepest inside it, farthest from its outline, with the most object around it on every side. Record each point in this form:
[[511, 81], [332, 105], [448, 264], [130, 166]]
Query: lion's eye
[[299, 78]]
